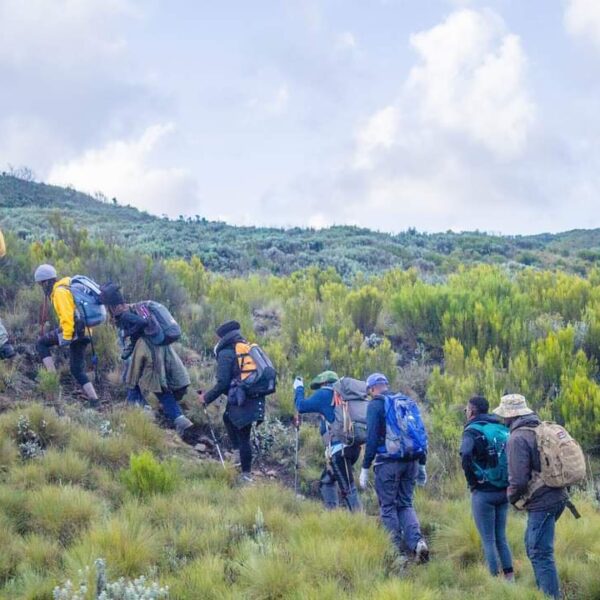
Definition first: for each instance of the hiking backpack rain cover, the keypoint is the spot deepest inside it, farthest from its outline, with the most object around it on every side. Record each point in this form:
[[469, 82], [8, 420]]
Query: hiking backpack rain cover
[[495, 468], [405, 434], [162, 328], [350, 401], [258, 376], [86, 295]]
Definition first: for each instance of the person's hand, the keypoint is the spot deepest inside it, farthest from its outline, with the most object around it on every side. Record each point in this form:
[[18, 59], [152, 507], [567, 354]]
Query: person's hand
[[61, 340], [201, 398], [363, 480], [422, 476], [298, 383], [297, 420]]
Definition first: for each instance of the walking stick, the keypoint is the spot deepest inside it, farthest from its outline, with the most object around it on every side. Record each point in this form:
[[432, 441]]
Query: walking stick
[[214, 437]]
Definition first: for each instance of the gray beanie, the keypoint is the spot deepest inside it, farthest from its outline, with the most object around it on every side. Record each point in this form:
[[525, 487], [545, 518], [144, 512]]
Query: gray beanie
[[44, 273]]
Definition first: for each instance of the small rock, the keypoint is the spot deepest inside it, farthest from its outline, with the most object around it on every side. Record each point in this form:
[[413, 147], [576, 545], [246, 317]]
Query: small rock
[[201, 447]]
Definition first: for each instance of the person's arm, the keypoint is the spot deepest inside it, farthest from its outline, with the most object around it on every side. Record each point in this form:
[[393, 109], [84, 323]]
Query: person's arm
[[467, 448], [2, 246], [132, 324], [225, 373], [64, 305], [375, 414], [316, 403], [519, 466]]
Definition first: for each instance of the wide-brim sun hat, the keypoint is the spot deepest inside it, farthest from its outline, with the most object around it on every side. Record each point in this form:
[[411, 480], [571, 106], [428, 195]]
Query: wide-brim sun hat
[[512, 405]]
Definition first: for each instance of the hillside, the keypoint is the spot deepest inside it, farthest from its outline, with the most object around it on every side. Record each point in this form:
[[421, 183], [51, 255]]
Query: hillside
[[26, 208]]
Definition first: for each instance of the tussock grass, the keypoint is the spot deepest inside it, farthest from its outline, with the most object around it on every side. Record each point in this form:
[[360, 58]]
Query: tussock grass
[[52, 430], [40, 553], [61, 512], [65, 467], [8, 454], [112, 452], [207, 574], [139, 427]]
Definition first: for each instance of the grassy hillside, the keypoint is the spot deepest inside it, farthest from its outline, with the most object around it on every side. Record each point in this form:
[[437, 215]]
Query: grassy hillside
[[77, 485], [27, 208]]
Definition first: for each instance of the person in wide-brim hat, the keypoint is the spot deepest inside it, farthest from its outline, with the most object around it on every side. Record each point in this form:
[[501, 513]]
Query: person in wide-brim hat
[[511, 406]]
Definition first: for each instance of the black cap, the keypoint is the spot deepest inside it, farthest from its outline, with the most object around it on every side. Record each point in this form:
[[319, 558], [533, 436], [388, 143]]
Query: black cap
[[110, 294], [226, 327]]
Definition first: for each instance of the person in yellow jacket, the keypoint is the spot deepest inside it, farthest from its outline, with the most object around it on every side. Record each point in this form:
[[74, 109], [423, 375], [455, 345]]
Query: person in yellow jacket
[[6, 349], [70, 332]]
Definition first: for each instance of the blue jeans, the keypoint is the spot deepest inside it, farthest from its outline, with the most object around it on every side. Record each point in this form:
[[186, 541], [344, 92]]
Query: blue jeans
[[395, 487], [539, 543], [169, 405], [490, 510]]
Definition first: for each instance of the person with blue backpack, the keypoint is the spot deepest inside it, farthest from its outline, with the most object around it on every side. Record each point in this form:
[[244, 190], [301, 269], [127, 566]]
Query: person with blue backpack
[[397, 446], [484, 461], [76, 302]]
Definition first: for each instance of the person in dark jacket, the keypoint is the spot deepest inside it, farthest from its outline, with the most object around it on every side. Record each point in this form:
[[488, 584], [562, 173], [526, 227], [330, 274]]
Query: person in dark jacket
[[238, 419], [154, 369], [546, 505], [395, 478], [489, 502], [340, 458]]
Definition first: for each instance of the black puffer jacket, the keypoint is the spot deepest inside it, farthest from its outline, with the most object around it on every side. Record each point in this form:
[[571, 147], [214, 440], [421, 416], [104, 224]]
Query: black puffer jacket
[[253, 409], [523, 459]]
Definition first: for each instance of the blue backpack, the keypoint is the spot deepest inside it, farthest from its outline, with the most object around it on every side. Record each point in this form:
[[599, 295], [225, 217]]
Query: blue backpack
[[86, 295], [495, 469], [405, 434]]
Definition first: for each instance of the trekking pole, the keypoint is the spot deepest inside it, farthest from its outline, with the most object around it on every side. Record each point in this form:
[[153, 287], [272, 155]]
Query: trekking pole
[[214, 437], [296, 465]]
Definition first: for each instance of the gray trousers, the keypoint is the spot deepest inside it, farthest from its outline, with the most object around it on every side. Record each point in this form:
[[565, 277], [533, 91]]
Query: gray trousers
[[395, 487], [3, 334]]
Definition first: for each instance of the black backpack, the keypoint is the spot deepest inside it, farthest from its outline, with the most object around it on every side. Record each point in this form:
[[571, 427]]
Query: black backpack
[[162, 328]]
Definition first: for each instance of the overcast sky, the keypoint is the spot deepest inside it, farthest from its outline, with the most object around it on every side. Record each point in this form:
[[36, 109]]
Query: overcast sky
[[434, 114]]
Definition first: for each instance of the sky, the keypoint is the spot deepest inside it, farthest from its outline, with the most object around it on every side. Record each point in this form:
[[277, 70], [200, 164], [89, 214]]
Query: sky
[[388, 114]]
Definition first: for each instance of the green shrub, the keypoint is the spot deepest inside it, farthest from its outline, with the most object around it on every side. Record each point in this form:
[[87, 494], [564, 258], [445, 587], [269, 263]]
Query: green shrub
[[146, 476]]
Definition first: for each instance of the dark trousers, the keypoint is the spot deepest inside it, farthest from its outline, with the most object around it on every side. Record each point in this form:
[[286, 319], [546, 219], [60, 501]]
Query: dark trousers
[[339, 472], [240, 440], [539, 543], [395, 487], [76, 353], [490, 510]]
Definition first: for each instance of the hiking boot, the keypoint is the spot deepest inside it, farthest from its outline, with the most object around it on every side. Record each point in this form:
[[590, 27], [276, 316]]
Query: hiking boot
[[422, 551], [510, 577], [191, 435], [235, 458], [245, 479], [7, 351]]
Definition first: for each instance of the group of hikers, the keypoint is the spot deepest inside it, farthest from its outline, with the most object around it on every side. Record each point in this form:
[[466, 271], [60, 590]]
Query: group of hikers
[[509, 457]]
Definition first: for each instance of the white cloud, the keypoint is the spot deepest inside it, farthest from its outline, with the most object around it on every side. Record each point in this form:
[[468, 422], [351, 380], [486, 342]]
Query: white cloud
[[582, 18], [471, 80], [123, 168], [379, 132], [62, 33], [346, 41]]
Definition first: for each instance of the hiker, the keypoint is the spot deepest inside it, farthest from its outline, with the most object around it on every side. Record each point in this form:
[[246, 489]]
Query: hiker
[[483, 456], [544, 505], [397, 446], [338, 473], [74, 330], [152, 367], [239, 414], [6, 349]]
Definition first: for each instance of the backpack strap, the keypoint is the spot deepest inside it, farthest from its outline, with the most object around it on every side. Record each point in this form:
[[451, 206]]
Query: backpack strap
[[536, 482]]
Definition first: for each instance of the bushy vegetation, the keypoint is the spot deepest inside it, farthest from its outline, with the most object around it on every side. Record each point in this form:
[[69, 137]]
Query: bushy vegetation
[[76, 485]]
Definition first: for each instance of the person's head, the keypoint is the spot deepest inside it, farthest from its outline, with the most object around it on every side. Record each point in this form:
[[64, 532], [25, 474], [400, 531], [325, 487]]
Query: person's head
[[477, 405], [227, 327], [377, 383], [46, 277], [112, 297], [512, 406], [324, 378]]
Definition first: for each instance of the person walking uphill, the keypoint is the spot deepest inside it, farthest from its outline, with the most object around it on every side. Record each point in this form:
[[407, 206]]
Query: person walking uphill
[[154, 366], [544, 505], [242, 410], [483, 455], [340, 457], [397, 446], [76, 303], [6, 349]]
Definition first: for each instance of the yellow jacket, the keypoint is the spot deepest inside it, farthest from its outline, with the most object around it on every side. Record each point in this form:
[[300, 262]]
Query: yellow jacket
[[2, 245], [64, 306]]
